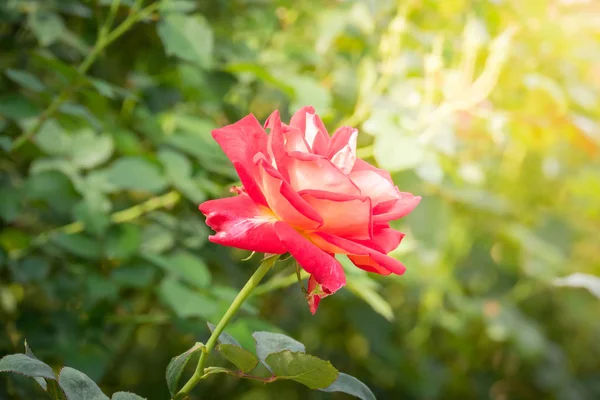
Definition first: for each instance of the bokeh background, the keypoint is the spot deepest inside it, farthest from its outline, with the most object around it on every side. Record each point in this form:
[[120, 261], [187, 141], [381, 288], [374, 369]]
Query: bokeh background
[[488, 109]]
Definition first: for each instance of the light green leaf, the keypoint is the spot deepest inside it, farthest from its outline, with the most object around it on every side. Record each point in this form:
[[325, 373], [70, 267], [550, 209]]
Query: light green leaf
[[240, 357], [25, 365], [396, 151], [183, 265], [89, 149], [25, 79], [78, 386], [308, 91], [186, 302], [578, 279], [269, 343], [176, 164], [176, 366], [92, 211], [156, 239], [53, 139], [302, 368], [47, 26], [136, 173], [348, 384], [126, 396], [188, 37]]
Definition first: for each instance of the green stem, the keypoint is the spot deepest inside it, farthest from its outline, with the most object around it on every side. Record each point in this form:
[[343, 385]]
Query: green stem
[[254, 280]]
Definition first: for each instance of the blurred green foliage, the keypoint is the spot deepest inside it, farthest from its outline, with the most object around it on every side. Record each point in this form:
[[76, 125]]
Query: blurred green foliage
[[488, 109]]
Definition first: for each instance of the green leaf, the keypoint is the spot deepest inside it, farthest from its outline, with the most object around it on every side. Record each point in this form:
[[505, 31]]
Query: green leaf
[[308, 91], [580, 280], [176, 366], [78, 386], [17, 107], [10, 203], [93, 212], [136, 173], [123, 241], [302, 368], [26, 365], [136, 276], [178, 170], [46, 26], [126, 396], [25, 79], [89, 149], [187, 37], [31, 269], [268, 343], [53, 139], [186, 302], [156, 239], [176, 164], [348, 384], [80, 111], [79, 245], [177, 6], [183, 265], [224, 338], [240, 357], [396, 151]]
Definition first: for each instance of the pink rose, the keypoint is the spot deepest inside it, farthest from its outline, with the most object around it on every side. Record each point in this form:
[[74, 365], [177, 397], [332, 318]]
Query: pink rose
[[306, 193]]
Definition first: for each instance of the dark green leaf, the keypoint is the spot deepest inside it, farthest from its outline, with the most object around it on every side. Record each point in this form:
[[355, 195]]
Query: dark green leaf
[[25, 79], [136, 276], [303, 368], [10, 204], [241, 358], [176, 366], [78, 386], [123, 241], [79, 245], [350, 385], [25, 365], [17, 107]]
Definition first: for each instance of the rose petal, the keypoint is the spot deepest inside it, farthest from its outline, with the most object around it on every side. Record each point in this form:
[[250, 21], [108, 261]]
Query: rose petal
[[385, 239], [325, 269], [374, 185], [240, 142], [395, 209], [284, 201], [343, 215], [314, 131], [363, 256], [241, 223], [315, 294], [309, 171], [342, 149]]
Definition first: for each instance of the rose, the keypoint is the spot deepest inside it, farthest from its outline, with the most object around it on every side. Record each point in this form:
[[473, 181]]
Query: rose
[[306, 193]]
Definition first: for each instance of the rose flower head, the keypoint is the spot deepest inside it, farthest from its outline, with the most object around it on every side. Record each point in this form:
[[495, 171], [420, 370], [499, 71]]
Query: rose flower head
[[306, 193]]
